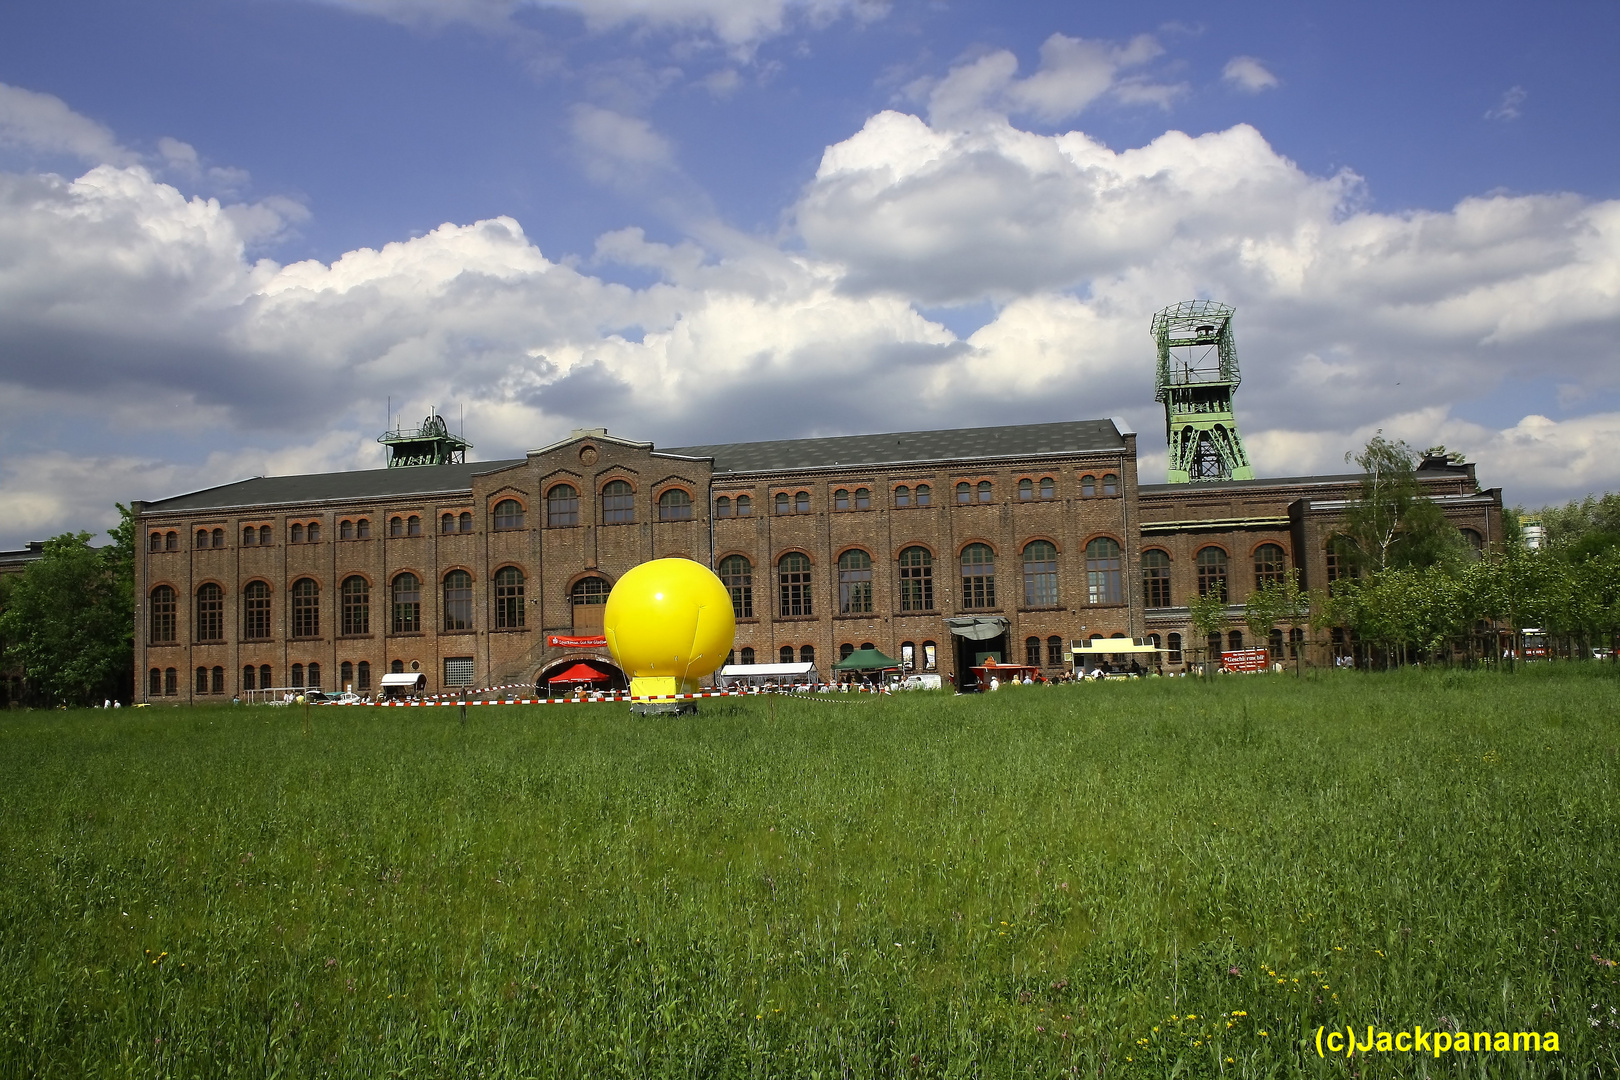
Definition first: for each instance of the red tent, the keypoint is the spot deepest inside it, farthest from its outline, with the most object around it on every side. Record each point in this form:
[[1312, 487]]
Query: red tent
[[580, 673]]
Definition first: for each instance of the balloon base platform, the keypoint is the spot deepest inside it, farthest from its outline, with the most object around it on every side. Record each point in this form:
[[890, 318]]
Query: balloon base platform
[[662, 708]]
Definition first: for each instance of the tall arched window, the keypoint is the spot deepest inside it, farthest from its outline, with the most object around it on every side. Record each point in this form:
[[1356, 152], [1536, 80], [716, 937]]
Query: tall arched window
[[458, 600], [345, 529], [155, 543], [722, 506], [1155, 578], [210, 612], [748, 656], [618, 503], [160, 613], [256, 612], [1211, 563], [1270, 564], [295, 533], [784, 503], [589, 592], [509, 585], [793, 581], [219, 542], [1048, 487], [1026, 490], [916, 579], [964, 492], [356, 600], [346, 675], [465, 520], [1040, 574], [985, 491], [250, 536], [1173, 649], [924, 494], [841, 499], [1032, 651], [978, 576], [362, 529], [1088, 486], [508, 515], [562, 507], [315, 676], [202, 680], [313, 533], [675, 505], [1103, 576], [250, 677], [902, 496], [265, 681], [363, 676], [447, 523], [264, 536], [737, 575], [202, 542], [863, 498], [745, 506], [413, 526], [855, 583], [807, 654], [1110, 484], [396, 526], [801, 502], [1054, 651], [407, 603], [785, 654], [171, 541], [306, 608]]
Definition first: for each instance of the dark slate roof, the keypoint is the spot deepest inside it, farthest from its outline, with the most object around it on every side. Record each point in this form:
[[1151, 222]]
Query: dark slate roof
[[901, 447], [330, 487], [1265, 482], [21, 557]]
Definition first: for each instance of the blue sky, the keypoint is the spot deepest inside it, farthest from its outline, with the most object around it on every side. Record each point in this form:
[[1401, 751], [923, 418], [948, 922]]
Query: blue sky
[[230, 230]]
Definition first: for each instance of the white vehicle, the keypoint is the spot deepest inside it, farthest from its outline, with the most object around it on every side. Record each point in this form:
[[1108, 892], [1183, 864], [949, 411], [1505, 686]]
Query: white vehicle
[[921, 682], [347, 697]]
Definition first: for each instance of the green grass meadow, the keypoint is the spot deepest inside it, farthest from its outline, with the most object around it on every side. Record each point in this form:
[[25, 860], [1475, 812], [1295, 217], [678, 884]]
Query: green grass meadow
[[1156, 878]]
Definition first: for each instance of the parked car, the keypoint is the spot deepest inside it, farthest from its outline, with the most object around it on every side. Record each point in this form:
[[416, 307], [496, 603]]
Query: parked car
[[921, 682]]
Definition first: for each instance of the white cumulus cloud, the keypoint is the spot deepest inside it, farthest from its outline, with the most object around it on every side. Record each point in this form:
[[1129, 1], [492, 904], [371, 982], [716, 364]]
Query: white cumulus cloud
[[1248, 74], [44, 124]]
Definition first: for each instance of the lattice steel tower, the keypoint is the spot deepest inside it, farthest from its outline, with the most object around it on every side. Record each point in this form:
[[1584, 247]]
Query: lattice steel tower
[[1198, 372]]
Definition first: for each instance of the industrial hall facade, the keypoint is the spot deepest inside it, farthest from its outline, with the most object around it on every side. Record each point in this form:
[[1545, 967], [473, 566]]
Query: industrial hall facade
[[937, 547]]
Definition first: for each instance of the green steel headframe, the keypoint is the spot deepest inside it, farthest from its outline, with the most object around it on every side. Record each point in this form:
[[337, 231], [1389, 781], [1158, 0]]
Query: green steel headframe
[[1197, 373]]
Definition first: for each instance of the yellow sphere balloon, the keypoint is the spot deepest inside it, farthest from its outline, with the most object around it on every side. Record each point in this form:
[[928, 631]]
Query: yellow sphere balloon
[[668, 623]]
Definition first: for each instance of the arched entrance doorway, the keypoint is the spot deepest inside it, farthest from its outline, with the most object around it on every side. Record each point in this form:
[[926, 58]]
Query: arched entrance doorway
[[616, 680]]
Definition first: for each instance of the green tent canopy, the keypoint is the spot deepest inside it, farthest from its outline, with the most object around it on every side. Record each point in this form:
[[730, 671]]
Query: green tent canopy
[[866, 660]]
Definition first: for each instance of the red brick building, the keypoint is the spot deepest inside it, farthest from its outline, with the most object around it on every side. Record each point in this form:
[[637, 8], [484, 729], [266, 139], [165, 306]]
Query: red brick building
[[478, 574]]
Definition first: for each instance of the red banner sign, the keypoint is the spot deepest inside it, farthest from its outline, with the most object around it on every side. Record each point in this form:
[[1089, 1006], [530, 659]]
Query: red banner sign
[[1246, 660], [557, 641]]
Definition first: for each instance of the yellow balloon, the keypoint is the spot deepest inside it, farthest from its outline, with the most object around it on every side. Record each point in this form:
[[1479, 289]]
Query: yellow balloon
[[668, 623]]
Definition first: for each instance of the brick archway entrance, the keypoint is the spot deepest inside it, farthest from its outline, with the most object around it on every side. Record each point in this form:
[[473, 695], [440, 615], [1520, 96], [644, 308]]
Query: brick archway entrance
[[617, 680]]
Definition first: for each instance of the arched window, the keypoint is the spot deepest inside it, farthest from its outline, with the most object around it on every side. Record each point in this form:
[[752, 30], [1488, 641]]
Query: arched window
[[1026, 490], [397, 667], [314, 676], [908, 656], [509, 585], [298, 676], [219, 538], [508, 515], [1032, 651], [855, 583], [1103, 584], [748, 656], [1296, 643], [155, 543], [807, 654], [413, 526], [264, 536], [675, 505], [841, 499], [250, 536], [1173, 649], [801, 502], [924, 494], [362, 529], [784, 503], [1048, 487], [845, 651], [295, 534], [1234, 640], [306, 608], [1269, 565], [1110, 484], [863, 498], [356, 601], [171, 541], [345, 675], [396, 526], [256, 612], [1040, 574], [618, 503], [265, 681], [562, 507], [902, 496], [447, 523], [250, 676], [313, 533], [590, 592], [985, 491], [785, 654], [363, 676], [202, 538], [1473, 539], [345, 529], [458, 600], [1336, 562], [722, 506], [1211, 563], [737, 575], [465, 520], [964, 493], [793, 580], [407, 617], [161, 616], [1213, 644], [745, 506], [1155, 578], [1054, 651], [1274, 644], [171, 682], [916, 579], [210, 612], [978, 576], [202, 680], [1088, 486]]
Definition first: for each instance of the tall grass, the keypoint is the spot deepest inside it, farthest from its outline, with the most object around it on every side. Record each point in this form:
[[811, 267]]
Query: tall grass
[[1117, 880]]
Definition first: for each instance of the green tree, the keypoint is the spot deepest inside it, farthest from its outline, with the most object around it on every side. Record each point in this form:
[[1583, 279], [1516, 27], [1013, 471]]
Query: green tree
[[1276, 602], [1392, 525], [69, 619], [1208, 616], [1582, 528]]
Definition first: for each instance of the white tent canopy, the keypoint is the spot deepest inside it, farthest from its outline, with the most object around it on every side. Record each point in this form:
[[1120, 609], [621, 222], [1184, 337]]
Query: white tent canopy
[[805, 672], [404, 680], [1111, 646]]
